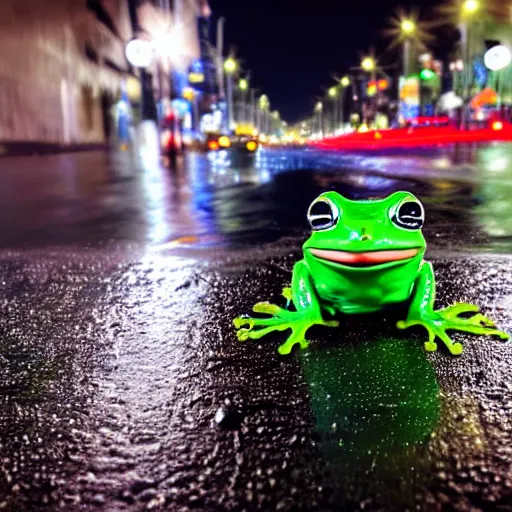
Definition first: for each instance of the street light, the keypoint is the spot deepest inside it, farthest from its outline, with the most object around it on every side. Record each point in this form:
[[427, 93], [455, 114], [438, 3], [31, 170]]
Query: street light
[[407, 33], [469, 7], [467, 12], [368, 64], [264, 105], [230, 66], [333, 94], [345, 82], [408, 27], [243, 85], [319, 107]]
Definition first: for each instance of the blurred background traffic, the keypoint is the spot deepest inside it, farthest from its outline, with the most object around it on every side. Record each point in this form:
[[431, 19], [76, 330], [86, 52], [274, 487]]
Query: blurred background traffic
[[163, 74]]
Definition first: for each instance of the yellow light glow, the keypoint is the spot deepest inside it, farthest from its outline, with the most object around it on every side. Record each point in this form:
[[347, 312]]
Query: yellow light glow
[[470, 6], [133, 88], [264, 102], [224, 142], [408, 27], [188, 93], [345, 81], [196, 78], [243, 85], [319, 106], [368, 64], [333, 92], [251, 146], [230, 65]]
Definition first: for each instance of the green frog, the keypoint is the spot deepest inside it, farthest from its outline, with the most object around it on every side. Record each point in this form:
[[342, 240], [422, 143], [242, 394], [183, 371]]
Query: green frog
[[362, 257]]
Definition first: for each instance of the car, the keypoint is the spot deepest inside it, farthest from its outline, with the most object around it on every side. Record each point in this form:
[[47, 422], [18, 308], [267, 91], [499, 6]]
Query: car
[[245, 143]]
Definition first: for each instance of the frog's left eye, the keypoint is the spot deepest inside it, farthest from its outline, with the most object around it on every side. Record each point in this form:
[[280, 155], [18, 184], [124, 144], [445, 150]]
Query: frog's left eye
[[409, 215], [322, 214]]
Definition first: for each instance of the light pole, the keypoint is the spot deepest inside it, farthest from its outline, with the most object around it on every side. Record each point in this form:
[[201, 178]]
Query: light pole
[[276, 118], [369, 65], [243, 85], [252, 110], [468, 10], [264, 105], [220, 51], [230, 67], [344, 82], [319, 107], [408, 31], [333, 94]]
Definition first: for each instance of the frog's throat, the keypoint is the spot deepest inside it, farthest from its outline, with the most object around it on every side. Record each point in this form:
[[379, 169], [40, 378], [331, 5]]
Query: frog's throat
[[365, 259]]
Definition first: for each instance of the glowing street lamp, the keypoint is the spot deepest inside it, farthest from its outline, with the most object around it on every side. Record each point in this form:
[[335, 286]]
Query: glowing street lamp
[[407, 33], [230, 65], [408, 27], [467, 13], [368, 64], [263, 112], [319, 107], [243, 85], [497, 58], [264, 102], [333, 94], [345, 82], [469, 7]]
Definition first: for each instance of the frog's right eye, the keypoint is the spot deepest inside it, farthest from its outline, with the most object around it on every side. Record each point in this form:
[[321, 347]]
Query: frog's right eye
[[322, 214]]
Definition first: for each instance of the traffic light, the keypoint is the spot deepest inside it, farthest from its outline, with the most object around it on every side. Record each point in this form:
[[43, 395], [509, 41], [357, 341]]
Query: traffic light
[[427, 74]]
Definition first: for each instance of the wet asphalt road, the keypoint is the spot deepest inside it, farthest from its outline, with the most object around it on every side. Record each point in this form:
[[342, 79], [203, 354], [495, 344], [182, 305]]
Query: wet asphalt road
[[122, 385]]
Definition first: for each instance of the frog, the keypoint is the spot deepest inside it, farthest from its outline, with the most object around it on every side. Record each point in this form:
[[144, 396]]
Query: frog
[[364, 256]]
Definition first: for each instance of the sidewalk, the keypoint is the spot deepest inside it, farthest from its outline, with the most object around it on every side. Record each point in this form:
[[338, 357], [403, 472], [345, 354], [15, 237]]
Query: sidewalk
[[45, 148]]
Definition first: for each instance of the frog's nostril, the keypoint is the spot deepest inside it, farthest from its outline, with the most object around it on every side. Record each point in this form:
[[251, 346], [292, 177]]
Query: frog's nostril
[[365, 235]]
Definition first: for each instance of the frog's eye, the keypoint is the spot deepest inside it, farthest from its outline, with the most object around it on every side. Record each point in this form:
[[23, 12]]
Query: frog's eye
[[409, 215], [322, 214]]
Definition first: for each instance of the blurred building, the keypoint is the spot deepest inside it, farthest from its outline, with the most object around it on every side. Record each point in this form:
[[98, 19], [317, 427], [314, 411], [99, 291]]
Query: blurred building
[[61, 69], [172, 27], [488, 28]]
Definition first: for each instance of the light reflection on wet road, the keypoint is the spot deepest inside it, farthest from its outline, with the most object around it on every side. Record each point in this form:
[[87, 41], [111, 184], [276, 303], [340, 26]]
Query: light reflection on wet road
[[92, 198], [122, 386]]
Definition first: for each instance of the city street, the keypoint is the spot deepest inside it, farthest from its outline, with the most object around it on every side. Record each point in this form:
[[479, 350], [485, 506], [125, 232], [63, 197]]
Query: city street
[[123, 385]]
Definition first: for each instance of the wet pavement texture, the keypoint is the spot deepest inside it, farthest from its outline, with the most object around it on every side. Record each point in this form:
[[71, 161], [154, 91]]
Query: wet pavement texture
[[122, 384]]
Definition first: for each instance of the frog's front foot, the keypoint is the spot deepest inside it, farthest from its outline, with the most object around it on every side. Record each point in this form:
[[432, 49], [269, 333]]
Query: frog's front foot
[[280, 320], [442, 320]]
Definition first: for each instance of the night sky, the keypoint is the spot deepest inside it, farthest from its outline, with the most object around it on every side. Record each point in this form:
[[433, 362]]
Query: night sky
[[293, 47]]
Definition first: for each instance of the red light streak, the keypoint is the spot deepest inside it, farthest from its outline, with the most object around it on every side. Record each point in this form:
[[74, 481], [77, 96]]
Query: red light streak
[[415, 137]]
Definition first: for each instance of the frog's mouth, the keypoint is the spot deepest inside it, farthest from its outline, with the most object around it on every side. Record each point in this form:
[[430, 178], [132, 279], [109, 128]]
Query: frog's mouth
[[365, 259]]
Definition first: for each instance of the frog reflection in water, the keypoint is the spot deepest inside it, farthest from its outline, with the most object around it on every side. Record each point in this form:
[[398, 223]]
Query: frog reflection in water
[[361, 257]]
